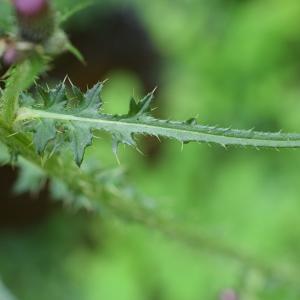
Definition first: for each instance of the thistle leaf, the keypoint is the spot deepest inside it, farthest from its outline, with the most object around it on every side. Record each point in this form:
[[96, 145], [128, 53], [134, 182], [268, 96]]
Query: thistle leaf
[[45, 131], [89, 104], [77, 54], [60, 101], [55, 99], [75, 115], [81, 137], [137, 109]]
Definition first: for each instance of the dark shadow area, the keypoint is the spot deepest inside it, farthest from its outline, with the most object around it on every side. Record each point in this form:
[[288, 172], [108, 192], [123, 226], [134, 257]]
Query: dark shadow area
[[17, 212]]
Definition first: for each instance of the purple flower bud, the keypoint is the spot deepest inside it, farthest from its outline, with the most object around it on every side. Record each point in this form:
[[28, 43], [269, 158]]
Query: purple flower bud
[[35, 19], [11, 55], [228, 294], [30, 8]]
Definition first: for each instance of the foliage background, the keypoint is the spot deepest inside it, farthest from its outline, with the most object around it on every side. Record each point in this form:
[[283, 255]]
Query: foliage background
[[231, 63]]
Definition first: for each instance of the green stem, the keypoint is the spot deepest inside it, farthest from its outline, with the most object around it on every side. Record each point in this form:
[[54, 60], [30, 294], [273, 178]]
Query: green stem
[[20, 78]]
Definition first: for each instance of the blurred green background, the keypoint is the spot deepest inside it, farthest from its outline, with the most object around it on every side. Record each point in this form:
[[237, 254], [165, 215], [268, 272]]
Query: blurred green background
[[229, 62]]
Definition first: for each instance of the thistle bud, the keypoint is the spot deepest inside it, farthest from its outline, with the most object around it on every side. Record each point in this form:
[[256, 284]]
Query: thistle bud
[[12, 52], [9, 53], [35, 19], [10, 56]]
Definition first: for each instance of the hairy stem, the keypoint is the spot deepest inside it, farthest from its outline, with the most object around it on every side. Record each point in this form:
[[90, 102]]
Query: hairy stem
[[20, 78]]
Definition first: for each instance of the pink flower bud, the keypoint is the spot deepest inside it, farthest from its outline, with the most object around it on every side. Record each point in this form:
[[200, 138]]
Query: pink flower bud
[[30, 8], [35, 19], [228, 294], [10, 56]]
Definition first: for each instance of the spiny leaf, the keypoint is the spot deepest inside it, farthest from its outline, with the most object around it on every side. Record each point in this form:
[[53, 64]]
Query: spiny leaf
[[45, 131], [54, 99], [81, 137], [30, 178], [121, 137], [137, 109], [76, 115], [73, 50], [118, 198], [89, 104], [74, 10], [60, 101]]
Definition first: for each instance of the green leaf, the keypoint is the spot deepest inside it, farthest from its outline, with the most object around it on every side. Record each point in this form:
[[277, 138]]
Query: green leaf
[[137, 109], [45, 131], [81, 137], [74, 10], [76, 52], [31, 178], [90, 104], [55, 99], [76, 115], [58, 100]]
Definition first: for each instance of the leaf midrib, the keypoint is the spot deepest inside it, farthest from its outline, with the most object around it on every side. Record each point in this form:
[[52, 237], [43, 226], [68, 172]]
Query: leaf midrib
[[170, 130]]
